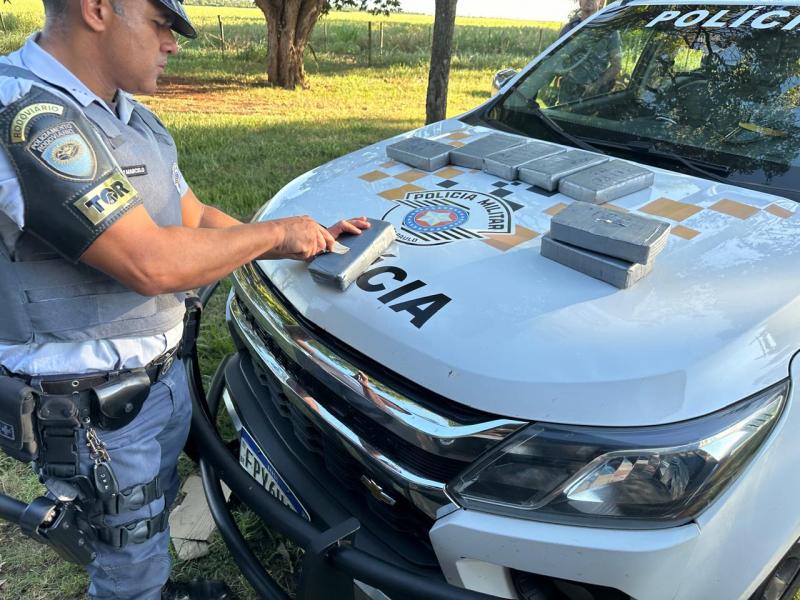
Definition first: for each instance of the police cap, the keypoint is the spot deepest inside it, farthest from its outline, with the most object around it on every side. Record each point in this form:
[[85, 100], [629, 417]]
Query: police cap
[[181, 24]]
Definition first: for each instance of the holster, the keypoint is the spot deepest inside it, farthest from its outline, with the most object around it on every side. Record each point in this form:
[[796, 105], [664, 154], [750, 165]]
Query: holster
[[116, 403], [108, 406], [41, 427], [18, 436]]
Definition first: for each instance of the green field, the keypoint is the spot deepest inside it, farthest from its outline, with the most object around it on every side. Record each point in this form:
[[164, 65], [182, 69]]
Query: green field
[[240, 141]]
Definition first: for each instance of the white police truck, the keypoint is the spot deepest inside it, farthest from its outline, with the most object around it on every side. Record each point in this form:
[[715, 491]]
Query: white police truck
[[470, 419]]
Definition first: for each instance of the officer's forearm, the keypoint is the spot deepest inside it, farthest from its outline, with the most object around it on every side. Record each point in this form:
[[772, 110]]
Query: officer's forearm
[[214, 218], [152, 260], [185, 258]]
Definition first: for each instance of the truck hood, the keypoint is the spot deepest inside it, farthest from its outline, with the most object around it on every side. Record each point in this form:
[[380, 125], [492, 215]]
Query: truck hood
[[475, 314]]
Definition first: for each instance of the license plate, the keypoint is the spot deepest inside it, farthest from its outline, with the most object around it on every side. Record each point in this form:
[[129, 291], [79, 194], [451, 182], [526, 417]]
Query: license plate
[[256, 463]]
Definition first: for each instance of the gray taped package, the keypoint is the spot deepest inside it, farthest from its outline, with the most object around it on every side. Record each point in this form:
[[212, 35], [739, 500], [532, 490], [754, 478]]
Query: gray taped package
[[547, 172], [506, 163], [619, 273], [471, 155], [341, 270], [626, 236], [428, 155], [606, 182]]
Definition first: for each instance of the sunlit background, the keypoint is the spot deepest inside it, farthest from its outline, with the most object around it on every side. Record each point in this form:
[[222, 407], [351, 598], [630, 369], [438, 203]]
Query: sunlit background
[[535, 10]]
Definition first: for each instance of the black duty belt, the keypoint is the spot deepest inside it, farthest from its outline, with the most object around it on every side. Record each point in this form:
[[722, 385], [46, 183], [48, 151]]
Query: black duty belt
[[57, 385]]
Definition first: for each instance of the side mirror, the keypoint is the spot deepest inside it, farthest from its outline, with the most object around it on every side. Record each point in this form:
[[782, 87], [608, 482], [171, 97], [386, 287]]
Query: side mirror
[[501, 78]]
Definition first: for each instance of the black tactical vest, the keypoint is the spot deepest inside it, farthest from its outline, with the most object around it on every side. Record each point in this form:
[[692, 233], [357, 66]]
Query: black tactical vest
[[47, 298]]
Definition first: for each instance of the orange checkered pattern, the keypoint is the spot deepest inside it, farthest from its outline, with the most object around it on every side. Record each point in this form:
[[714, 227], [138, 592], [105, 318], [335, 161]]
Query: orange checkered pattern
[[393, 180]]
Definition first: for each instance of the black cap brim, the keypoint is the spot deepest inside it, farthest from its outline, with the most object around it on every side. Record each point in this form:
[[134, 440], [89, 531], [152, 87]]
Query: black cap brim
[[181, 23]]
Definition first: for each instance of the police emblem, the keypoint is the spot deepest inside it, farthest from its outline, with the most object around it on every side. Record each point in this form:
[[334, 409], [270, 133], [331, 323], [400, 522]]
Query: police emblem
[[442, 217], [65, 151], [435, 218]]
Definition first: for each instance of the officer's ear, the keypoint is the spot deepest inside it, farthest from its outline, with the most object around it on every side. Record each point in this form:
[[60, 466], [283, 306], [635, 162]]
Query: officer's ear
[[96, 14]]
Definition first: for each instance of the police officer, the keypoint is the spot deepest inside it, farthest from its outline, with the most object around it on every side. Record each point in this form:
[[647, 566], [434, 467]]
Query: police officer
[[586, 9], [595, 69], [99, 235]]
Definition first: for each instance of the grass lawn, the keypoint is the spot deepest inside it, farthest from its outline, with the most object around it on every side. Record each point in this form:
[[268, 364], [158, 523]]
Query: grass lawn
[[240, 141]]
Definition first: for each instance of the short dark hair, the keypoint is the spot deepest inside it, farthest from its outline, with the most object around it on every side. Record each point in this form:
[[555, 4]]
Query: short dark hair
[[54, 10]]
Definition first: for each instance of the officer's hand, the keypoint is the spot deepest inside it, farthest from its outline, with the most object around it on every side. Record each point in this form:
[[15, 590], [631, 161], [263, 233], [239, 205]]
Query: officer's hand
[[354, 226], [299, 238]]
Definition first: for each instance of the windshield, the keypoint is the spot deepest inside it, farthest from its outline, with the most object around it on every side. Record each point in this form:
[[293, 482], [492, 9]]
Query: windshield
[[712, 90]]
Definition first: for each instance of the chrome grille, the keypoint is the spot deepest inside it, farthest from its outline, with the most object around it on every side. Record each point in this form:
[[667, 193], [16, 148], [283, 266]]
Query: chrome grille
[[404, 444]]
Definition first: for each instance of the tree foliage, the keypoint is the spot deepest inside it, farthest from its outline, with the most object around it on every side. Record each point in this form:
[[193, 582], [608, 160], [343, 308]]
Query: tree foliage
[[376, 7]]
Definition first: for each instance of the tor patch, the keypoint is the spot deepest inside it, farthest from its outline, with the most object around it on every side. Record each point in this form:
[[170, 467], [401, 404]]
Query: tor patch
[[64, 150], [107, 199]]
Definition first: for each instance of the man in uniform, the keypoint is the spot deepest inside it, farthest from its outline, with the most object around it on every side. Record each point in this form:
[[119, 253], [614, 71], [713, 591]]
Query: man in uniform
[[99, 236], [595, 68]]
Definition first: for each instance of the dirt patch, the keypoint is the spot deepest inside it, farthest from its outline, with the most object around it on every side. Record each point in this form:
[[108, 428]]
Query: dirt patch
[[209, 95]]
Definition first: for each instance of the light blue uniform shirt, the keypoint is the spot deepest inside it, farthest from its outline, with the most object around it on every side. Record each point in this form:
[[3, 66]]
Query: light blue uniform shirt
[[70, 357]]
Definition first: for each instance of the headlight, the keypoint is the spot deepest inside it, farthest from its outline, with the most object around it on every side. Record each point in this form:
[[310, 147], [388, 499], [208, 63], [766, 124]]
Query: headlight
[[638, 478]]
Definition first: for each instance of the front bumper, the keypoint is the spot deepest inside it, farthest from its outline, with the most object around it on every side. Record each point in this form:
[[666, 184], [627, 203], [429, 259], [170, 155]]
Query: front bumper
[[725, 554], [342, 559]]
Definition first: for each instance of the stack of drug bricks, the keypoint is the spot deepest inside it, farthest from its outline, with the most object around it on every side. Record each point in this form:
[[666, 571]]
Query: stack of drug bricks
[[615, 247]]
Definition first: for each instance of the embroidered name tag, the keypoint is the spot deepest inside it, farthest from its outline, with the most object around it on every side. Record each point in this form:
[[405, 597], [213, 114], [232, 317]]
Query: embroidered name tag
[[135, 170]]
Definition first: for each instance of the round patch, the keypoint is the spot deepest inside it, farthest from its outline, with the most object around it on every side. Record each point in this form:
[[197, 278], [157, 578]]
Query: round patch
[[64, 150], [433, 219]]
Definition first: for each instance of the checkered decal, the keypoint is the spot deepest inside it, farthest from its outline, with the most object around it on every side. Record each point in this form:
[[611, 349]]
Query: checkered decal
[[393, 180], [682, 214]]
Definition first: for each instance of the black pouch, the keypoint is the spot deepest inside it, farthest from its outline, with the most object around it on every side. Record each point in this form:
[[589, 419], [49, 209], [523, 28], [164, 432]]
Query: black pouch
[[18, 434]]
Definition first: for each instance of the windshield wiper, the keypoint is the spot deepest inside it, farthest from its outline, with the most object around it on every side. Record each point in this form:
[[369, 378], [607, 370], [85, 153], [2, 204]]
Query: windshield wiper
[[534, 107], [698, 167]]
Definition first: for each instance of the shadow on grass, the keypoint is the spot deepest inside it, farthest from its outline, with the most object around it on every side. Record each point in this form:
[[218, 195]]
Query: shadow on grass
[[252, 62]]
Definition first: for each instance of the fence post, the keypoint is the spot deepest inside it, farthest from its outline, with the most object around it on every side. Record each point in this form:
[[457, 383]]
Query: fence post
[[369, 44], [539, 43], [381, 51], [325, 36], [221, 32]]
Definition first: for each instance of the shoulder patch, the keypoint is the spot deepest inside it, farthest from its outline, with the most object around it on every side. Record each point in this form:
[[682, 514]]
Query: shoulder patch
[[72, 187], [64, 150], [20, 121]]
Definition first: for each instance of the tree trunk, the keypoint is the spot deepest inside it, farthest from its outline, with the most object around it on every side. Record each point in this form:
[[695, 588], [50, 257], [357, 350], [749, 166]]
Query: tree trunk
[[444, 26], [289, 27]]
